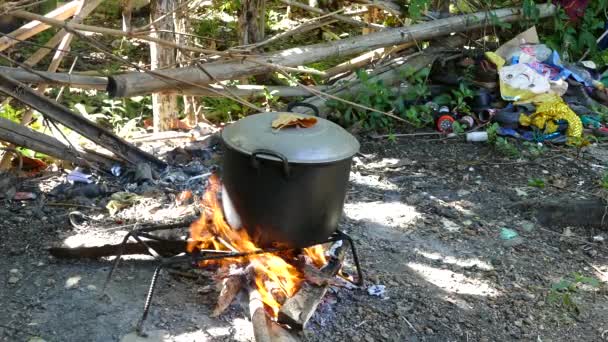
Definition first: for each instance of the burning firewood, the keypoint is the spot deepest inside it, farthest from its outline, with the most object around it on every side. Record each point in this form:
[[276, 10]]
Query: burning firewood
[[231, 286], [297, 310]]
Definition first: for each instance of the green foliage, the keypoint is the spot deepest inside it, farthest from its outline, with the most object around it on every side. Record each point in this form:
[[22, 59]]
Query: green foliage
[[460, 96], [500, 144], [534, 150], [531, 12], [570, 39], [563, 292], [221, 109], [376, 95], [417, 7], [457, 127], [504, 147], [11, 113], [495, 21], [604, 181], [536, 183], [492, 131], [122, 115]]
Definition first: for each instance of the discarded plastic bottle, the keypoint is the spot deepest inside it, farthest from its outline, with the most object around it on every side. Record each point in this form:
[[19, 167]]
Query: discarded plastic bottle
[[477, 136]]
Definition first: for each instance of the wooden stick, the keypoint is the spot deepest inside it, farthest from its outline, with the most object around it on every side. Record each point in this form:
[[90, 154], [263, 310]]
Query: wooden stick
[[36, 26], [165, 248], [22, 136], [297, 310], [335, 16], [132, 84], [259, 320], [103, 30], [88, 129]]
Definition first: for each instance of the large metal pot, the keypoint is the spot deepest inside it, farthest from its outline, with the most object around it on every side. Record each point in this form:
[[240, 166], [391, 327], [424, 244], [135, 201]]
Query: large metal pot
[[286, 187]]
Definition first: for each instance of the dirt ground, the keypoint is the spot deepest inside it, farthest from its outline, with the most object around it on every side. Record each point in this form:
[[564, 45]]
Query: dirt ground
[[427, 218]]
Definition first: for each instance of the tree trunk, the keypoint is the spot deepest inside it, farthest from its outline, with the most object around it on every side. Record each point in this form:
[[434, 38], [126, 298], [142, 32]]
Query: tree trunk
[[252, 18], [164, 107], [192, 107]]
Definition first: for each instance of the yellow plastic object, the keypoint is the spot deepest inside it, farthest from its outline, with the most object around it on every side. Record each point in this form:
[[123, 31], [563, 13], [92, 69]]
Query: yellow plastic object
[[509, 93], [547, 113]]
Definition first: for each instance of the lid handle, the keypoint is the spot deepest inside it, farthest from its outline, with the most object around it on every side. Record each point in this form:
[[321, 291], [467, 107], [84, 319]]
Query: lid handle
[[256, 163], [314, 108]]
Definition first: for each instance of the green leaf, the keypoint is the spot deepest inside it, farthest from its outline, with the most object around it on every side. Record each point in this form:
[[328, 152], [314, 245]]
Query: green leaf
[[561, 285]]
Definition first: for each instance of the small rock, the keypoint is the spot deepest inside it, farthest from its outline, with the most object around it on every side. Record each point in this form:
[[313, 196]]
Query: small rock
[[91, 287], [369, 338], [72, 282], [13, 280], [19, 219], [519, 323], [462, 193], [14, 271], [449, 225]]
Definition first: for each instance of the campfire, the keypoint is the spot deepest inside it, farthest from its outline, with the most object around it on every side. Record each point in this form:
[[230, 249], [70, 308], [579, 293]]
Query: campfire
[[284, 284], [274, 275]]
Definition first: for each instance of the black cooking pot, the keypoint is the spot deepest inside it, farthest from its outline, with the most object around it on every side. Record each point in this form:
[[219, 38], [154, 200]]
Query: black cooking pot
[[286, 187]]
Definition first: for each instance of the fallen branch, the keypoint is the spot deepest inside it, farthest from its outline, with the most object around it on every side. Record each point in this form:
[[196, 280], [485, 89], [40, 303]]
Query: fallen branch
[[36, 26], [25, 137], [132, 84], [66, 117]]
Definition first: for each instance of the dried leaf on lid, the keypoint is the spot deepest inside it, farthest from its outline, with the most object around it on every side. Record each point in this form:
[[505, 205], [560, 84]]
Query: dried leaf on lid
[[288, 119]]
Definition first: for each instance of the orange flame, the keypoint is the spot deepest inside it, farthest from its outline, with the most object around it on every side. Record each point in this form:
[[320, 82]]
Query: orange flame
[[275, 278]]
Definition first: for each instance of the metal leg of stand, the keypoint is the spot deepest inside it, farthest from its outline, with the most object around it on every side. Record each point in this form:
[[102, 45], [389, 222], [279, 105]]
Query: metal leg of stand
[[116, 261], [344, 236], [140, 324]]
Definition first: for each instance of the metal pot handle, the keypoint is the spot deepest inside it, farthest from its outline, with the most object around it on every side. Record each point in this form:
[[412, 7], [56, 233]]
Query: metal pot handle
[[256, 163], [303, 104]]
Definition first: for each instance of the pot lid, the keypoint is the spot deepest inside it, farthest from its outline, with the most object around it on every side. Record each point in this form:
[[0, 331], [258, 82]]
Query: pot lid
[[322, 143]]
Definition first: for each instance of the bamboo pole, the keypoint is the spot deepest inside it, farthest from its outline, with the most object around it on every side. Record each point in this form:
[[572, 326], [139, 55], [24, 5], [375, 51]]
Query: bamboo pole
[[135, 83], [36, 26], [55, 78]]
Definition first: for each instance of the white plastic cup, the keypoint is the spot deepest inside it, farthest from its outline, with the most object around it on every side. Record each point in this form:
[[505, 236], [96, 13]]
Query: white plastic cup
[[477, 136]]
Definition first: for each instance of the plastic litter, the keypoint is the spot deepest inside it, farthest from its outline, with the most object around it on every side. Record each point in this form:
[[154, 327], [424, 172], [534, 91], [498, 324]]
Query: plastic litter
[[78, 176], [477, 136], [376, 290]]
